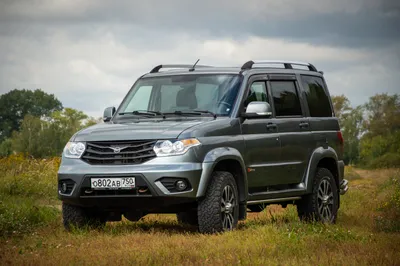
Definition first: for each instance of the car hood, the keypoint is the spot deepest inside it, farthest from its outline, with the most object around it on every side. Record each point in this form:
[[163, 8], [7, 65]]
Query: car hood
[[156, 129]]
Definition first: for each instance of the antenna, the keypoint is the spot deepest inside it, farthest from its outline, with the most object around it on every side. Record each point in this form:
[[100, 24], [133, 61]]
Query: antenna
[[192, 69]]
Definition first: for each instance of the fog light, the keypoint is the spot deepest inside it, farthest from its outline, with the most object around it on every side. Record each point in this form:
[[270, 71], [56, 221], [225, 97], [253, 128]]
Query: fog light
[[63, 187], [180, 185]]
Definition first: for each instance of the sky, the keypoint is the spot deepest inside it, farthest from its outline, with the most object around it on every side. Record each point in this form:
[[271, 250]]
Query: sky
[[89, 53]]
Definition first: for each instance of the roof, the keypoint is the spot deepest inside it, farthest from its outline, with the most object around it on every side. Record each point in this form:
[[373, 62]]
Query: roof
[[249, 67]]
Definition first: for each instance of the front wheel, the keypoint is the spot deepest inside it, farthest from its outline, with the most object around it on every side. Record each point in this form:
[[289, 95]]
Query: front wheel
[[219, 210], [322, 205], [78, 217]]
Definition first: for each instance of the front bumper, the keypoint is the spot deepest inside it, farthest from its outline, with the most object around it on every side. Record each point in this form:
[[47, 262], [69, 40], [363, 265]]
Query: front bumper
[[344, 187], [148, 176]]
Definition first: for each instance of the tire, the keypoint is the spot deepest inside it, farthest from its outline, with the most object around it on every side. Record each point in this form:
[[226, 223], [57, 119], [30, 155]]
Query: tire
[[189, 217], [323, 203], [214, 213], [78, 217]]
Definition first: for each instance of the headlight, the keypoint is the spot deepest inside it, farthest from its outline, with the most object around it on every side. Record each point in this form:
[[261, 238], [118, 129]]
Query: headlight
[[179, 147], [74, 149]]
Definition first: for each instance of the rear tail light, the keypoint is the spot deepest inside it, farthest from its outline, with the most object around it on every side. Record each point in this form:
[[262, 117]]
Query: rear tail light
[[341, 141], [340, 137]]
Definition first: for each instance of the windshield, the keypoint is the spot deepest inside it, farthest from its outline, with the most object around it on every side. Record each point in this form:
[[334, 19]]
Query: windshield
[[205, 94]]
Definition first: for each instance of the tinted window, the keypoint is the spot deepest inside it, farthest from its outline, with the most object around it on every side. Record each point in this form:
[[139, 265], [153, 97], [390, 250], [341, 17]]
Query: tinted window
[[285, 97], [257, 93], [317, 98]]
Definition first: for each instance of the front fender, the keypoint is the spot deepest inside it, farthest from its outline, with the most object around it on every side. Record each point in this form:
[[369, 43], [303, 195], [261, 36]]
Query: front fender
[[212, 158]]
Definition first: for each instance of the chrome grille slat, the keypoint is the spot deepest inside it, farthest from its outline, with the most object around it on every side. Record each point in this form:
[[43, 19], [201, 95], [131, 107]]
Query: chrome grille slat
[[122, 152], [133, 152]]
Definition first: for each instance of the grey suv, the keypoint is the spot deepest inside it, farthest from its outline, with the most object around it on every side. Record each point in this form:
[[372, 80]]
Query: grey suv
[[209, 144]]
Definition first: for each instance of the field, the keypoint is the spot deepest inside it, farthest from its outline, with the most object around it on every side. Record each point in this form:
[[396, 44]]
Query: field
[[367, 231]]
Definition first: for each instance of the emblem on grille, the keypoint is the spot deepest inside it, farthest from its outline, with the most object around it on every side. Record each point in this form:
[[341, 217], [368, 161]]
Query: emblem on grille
[[118, 149]]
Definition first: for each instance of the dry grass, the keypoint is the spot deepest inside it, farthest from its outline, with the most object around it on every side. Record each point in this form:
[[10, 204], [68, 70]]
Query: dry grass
[[272, 237]]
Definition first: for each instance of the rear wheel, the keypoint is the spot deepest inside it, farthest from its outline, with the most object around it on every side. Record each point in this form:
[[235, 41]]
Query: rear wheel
[[78, 217], [322, 205], [219, 210], [189, 217]]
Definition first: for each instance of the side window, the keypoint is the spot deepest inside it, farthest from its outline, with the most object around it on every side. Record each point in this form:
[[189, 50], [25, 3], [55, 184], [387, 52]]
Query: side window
[[286, 99], [257, 93], [317, 97], [141, 99]]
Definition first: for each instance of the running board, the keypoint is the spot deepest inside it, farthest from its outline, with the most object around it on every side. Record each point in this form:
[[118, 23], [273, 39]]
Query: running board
[[252, 202]]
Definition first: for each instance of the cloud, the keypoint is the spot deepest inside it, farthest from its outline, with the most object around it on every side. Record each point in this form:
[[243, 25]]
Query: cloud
[[90, 53]]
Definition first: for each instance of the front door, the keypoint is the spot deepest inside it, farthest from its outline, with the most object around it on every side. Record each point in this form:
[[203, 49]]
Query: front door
[[262, 143]]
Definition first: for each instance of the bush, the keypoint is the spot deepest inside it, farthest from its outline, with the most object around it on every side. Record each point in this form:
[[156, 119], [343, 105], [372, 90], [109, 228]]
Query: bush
[[389, 218], [5, 148], [34, 178], [21, 215], [388, 160]]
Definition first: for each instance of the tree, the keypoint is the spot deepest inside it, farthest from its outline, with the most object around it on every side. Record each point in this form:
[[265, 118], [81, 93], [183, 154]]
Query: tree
[[47, 136], [351, 125], [383, 114], [341, 106], [352, 129], [16, 104], [380, 145], [30, 138]]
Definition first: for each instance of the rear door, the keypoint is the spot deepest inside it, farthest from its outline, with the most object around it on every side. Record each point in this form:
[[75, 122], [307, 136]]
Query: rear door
[[323, 125], [261, 140], [293, 127]]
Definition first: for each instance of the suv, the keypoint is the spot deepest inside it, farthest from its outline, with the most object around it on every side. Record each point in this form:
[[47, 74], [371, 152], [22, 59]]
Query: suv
[[209, 144]]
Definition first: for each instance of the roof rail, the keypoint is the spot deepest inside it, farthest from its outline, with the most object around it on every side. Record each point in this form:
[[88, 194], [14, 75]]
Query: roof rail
[[286, 64], [190, 67]]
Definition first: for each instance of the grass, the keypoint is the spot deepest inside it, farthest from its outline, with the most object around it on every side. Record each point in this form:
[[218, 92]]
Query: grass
[[272, 237]]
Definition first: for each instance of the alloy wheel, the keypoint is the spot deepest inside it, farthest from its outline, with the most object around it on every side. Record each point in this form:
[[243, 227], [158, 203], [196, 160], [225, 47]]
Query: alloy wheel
[[228, 206], [325, 200]]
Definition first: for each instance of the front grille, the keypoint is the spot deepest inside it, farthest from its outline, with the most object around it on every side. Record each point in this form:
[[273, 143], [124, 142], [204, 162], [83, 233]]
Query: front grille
[[131, 152]]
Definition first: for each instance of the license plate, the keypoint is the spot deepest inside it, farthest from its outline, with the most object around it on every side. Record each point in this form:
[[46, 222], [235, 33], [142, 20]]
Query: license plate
[[112, 183]]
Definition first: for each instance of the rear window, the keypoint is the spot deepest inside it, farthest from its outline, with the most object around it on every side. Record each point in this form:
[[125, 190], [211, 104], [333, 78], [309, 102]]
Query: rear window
[[317, 97]]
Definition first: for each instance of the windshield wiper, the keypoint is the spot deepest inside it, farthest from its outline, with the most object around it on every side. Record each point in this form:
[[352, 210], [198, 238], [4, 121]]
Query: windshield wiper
[[143, 112], [194, 112], [206, 112]]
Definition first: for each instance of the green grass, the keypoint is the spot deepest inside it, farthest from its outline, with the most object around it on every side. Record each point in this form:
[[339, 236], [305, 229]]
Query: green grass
[[272, 237], [22, 215]]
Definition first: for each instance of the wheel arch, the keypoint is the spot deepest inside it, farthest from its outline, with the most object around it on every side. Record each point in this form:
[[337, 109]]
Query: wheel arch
[[230, 160], [326, 158]]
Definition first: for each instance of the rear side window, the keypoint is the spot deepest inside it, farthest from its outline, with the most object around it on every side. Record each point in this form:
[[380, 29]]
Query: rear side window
[[286, 99], [317, 97]]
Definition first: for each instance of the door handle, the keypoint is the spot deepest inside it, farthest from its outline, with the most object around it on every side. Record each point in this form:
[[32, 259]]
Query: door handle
[[272, 126], [304, 124]]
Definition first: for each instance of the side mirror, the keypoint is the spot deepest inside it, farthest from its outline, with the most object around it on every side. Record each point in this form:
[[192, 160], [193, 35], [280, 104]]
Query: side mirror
[[108, 113], [258, 110]]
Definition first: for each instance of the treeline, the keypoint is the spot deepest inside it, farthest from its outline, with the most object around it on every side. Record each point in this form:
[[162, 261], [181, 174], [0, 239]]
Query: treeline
[[36, 123], [371, 131]]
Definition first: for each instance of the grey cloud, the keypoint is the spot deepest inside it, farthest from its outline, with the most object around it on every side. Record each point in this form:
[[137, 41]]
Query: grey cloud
[[88, 53], [356, 23]]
